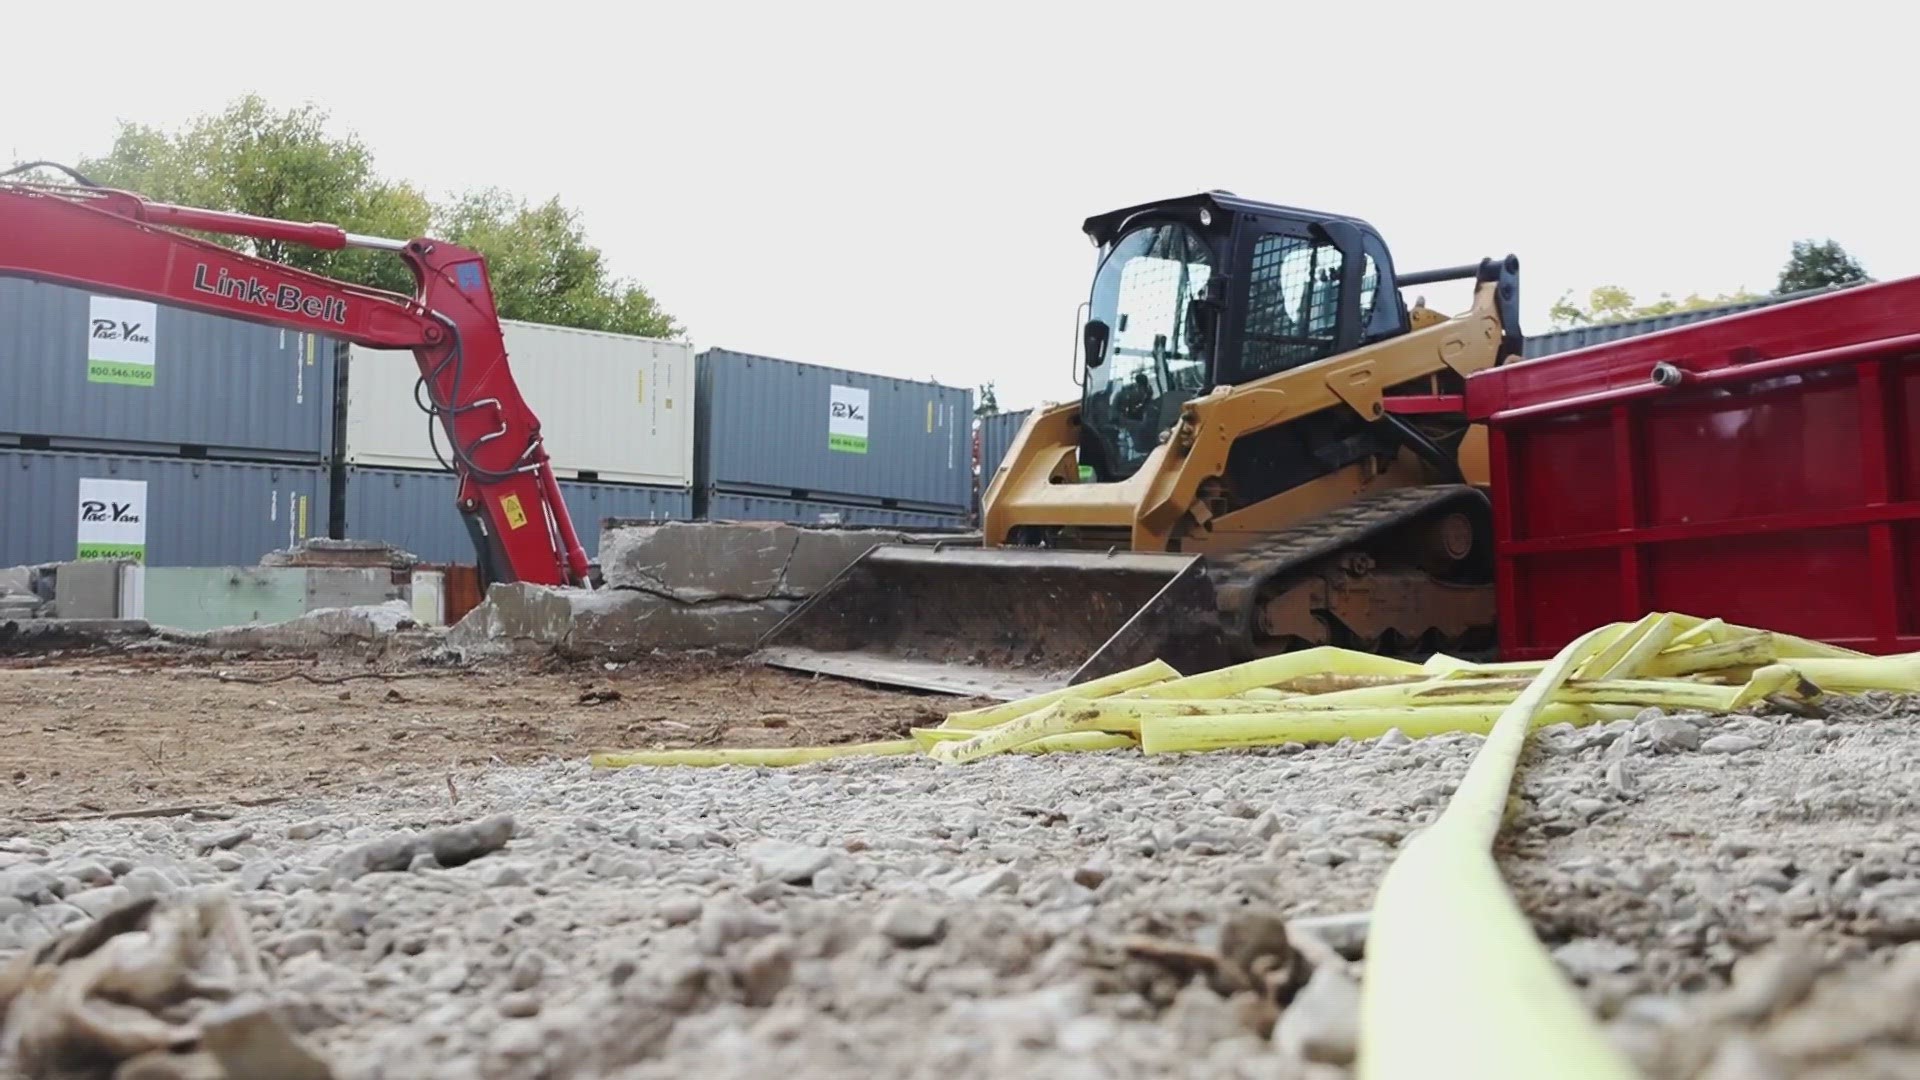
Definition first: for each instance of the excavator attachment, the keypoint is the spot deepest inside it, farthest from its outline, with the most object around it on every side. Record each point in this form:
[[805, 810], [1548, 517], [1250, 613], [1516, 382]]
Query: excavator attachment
[[1001, 622]]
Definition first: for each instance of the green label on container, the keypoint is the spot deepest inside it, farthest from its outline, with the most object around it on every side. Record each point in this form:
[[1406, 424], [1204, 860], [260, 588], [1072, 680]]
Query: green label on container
[[106, 371], [120, 341], [847, 419], [135, 552], [1086, 473]]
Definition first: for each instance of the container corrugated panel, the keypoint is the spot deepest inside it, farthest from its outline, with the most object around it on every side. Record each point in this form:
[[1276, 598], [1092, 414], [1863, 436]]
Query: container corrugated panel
[[198, 513], [800, 431], [415, 511], [238, 389], [1580, 337], [996, 438], [613, 407], [724, 506]]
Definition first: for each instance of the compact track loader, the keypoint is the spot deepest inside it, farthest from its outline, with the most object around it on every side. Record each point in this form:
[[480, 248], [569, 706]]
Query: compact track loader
[[1268, 453]]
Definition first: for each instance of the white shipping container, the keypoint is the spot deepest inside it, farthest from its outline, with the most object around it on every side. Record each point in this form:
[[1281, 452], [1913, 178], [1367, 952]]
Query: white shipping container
[[613, 407]]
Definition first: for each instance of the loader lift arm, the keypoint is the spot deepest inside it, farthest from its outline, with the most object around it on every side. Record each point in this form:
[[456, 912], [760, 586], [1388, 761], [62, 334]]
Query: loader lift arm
[[120, 243]]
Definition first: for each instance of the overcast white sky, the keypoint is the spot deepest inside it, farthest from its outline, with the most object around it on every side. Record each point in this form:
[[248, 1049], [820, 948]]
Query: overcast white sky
[[899, 188]]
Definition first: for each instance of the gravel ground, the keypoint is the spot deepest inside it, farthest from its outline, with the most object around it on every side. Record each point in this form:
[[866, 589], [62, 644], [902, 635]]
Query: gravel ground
[[1077, 915]]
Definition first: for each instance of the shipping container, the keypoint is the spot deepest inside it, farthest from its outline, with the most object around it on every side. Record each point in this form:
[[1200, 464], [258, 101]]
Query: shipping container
[[414, 510], [807, 433], [87, 371], [161, 511], [1763, 469], [996, 438], [613, 407], [726, 506], [1580, 337]]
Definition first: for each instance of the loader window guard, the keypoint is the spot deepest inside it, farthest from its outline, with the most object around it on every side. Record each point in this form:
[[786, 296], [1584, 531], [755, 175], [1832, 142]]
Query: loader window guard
[[1293, 305], [1142, 292]]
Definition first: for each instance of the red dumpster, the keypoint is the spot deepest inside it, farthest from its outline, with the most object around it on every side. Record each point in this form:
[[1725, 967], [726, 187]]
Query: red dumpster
[[1763, 467]]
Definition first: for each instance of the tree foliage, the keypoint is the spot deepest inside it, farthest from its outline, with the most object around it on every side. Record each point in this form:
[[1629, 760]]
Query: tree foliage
[[1611, 304], [1820, 265], [251, 158]]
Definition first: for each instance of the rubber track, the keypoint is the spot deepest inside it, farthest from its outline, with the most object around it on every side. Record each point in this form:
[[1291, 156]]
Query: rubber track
[[1239, 575]]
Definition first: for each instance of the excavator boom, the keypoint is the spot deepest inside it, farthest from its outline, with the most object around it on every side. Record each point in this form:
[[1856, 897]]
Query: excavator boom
[[119, 243]]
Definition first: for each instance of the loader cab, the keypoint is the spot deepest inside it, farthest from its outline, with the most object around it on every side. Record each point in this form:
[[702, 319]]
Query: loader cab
[[1213, 290]]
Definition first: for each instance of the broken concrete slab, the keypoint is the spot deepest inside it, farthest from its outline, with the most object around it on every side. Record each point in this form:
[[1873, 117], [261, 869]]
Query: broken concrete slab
[[325, 552], [41, 635], [89, 589], [694, 562], [16, 581], [609, 624], [325, 628]]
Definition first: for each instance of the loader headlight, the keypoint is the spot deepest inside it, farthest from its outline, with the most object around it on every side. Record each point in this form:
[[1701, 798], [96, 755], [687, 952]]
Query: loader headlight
[[1206, 216]]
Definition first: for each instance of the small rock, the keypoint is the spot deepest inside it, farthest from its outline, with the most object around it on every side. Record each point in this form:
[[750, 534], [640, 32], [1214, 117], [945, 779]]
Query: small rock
[[679, 910], [528, 968], [502, 875], [1588, 959], [520, 1005], [793, 864], [1266, 826], [1394, 739], [306, 830], [422, 861], [449, 978], [300, 943], [90, 874], [254, 875], [1741, 1057], [97, 902], [1620, 779], [226, 862], [1326, 856], [232, 838], [1588, 809], [1730, 744], [1669, 734], [352, 918], [61, 914], [32, 884], [1766, 982], [982, 884], [1090, 877], [1322, 1023], [521, 1039], [722, 925], [767, 970], [911, 925], [145, 881]]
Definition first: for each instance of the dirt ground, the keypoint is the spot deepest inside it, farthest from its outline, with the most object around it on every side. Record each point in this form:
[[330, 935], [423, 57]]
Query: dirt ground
[[112, 735]]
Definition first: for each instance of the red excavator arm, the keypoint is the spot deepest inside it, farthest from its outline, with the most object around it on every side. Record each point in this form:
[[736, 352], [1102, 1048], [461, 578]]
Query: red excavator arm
[[119, 243]]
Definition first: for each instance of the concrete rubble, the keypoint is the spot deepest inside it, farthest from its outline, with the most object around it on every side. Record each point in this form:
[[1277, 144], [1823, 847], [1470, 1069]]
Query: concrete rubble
[[681, 585]]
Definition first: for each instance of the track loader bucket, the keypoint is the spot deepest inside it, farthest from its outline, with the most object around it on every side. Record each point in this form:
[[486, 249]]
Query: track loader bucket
[[1001, 622]]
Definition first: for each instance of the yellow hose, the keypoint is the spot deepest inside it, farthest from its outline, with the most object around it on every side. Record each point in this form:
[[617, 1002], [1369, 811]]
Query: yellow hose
[[1456, 985]]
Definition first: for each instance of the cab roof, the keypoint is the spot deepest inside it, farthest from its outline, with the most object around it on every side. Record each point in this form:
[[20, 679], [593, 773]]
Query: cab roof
[[1104, 227]]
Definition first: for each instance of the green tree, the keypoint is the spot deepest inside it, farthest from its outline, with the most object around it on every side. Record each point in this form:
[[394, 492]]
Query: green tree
[[1611, 304], [989, 402], [1820, 265], [253, 159], [545, 271]]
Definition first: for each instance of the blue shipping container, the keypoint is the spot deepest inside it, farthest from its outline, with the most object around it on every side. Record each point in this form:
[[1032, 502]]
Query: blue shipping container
[[415, 511], [190, 512], [87, 371], [786, 430]]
